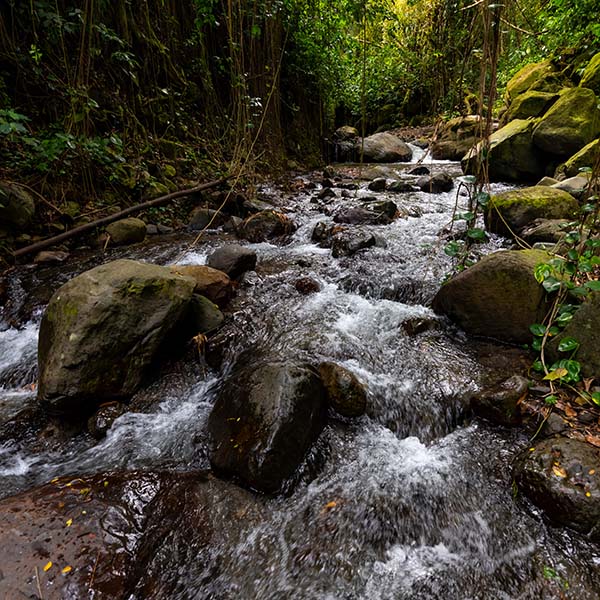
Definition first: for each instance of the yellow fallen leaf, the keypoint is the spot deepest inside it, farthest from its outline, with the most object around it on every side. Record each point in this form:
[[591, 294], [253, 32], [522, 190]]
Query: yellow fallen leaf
[[531, 449], [66, 570], [48, 566], [331, 504], [559, 471], [69, 522], [592, 472], [588, 494], [106, 484], [556, 374]]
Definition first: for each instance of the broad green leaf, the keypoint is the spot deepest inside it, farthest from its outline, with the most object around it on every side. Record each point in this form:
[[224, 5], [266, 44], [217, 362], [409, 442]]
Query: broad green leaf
[[452, 248], [477, 234], [537, 329], [552, 400], [592, 285], [596, 398], [568, 344], [551, 284], [468, 179]]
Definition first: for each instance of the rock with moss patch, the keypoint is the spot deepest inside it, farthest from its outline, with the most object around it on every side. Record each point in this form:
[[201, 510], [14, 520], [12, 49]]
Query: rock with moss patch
[[571, 123], [527, 77], [457, 137], [346, 394], [562, 477], [512, 156], [17, 207], [264, 421], [498, 297], [583, 327], [586, 157], [102, 331], [529, 104], [509, 212], [591, 75], [127, 231]]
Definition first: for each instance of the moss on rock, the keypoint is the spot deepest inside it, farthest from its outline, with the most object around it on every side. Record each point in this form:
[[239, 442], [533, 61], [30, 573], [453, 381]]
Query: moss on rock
[[526, 77], [529, 104], [591, 75], [586, 157]]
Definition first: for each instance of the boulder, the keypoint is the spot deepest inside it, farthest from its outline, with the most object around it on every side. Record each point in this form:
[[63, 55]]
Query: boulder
[[435, 184], [326, 194], [457, 137], [347, 242], [527, 77], [344, 143], [498, 297], [571, 123], [576, 186], [378, 185], [17, 207], [233, 259], [127, 231], [203, 218], [266, 225], [591, 75], [584, 327], [500, 403], [512, 156], [371, 213], [102, 420], [510, 211], [384, 148], [264, 421], [586, 157], [544, 231], [562, 477], [211, 283], [420, 170], [102, 330], [401, 187], [202, 316], [547, 181], [529, 104], [346, 394]]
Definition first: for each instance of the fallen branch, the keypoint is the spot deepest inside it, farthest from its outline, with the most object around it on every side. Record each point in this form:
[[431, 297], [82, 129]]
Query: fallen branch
[[110, 219]]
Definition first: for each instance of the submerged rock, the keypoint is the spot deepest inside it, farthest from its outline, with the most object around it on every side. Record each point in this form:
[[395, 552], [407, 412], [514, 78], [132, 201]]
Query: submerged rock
[[498, 297], [266, 225], [101, 421], [562, 477], [347, 242], [102, 330], [264, 421], [233, 259], [499, 403], [127, 231], [509, 212], [436, 184], [346, 394]]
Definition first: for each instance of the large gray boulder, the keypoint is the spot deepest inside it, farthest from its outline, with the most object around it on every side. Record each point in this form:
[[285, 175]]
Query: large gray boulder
[[102, 330], [498, 297], [562, 477], [509, 212], [384, 148], [233, 259], [571, 123], [264, 421]]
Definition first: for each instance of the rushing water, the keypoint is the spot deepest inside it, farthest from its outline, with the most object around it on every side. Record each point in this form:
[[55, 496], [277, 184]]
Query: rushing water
[[411, 501]]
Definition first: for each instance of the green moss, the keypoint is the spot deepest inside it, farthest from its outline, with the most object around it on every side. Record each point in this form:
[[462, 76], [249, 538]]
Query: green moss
[[527, 77]]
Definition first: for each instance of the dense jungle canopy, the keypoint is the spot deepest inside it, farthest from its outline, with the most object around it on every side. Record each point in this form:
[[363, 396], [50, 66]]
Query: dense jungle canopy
[[96, 95]]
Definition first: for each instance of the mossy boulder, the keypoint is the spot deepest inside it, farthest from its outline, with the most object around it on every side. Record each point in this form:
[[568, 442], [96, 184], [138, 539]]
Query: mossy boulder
[[529, 104], [102, 331], [498, 297], [457, 137], [509, 212], [526, 77], [586, 157], [591, 75], [127, 231], [346, 394], [584, 327], [571, 123], [562, 477], [264, 421], [512, 156], [17, 207]]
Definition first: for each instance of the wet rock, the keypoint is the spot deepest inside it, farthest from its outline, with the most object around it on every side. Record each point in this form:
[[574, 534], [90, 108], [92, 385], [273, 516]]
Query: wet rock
[[326, 194], [307, 285], [164, 229], [421, 170], [17, 207], [251, 206], [264, 421], [545, 231], [151, 229], [266, 225], [127, 231], [436, 184], [51, 256], [101, 421], [202, 316], [509, 212], [498, 297], [512, 155], [129, 534], [347, 242], [203, 218], [571, 123], [401, 187], [233, 259], [583, 327], [500, 403], [322, 232], [378, 185], [345, 393], [562, 477], [327, 182], [345, 143], [385, 148], [102, 330], [554, 425], [232, 224], [547, 181], [211, 283], [345, 185], [418, 325], [371, 213]]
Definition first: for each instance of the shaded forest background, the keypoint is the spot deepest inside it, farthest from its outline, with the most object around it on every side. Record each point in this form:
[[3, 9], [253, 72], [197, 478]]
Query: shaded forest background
[[106, 99]]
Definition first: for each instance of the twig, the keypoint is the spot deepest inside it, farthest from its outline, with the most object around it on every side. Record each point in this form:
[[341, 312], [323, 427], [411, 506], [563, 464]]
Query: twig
[[37, 579]]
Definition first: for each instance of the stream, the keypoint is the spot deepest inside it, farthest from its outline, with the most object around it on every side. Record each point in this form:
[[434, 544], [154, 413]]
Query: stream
[[420, 495]]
